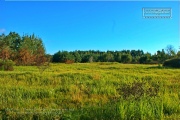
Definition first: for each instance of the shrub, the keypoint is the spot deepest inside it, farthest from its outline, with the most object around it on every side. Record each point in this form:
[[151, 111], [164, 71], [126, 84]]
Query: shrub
[[6, 65], [137, 90], [126, 58], [175, 63], [69, 61]]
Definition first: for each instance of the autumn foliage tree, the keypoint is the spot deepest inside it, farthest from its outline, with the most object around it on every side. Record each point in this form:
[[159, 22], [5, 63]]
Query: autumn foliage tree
[[5, 53], [25, 50]]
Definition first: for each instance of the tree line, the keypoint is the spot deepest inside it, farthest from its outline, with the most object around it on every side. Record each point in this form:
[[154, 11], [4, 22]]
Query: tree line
[[30, 50], [123, 56]]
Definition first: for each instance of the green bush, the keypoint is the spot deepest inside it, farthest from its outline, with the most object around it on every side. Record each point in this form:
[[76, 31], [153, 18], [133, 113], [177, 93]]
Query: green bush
[[6, 65], [175, 63]]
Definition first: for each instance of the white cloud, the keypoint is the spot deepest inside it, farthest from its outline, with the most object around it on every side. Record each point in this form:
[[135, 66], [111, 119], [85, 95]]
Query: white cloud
[[2, 30]]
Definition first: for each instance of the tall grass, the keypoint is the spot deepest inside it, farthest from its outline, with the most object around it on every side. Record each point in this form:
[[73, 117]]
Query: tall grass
[[107, 91]]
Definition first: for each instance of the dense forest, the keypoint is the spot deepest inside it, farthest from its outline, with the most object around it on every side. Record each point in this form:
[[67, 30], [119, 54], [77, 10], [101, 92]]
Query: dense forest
[[30, 50]]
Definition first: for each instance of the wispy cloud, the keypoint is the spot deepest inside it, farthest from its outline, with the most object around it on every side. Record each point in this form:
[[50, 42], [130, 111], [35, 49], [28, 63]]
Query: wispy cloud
[[2, 30]]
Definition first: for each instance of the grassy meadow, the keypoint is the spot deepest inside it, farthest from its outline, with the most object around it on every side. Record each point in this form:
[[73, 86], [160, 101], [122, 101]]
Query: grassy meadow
[[90, 91]]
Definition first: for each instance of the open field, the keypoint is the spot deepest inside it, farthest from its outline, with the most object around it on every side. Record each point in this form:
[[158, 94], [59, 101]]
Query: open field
[[90, 91]]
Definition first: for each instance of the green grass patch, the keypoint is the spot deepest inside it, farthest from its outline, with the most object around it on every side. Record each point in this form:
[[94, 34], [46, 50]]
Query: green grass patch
[[107, 91]]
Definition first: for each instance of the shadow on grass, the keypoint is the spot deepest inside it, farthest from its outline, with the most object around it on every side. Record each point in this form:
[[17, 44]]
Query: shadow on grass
[[161, 67]]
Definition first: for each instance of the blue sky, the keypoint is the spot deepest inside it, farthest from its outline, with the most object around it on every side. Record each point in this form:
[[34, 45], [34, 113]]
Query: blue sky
[[93, 25]]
